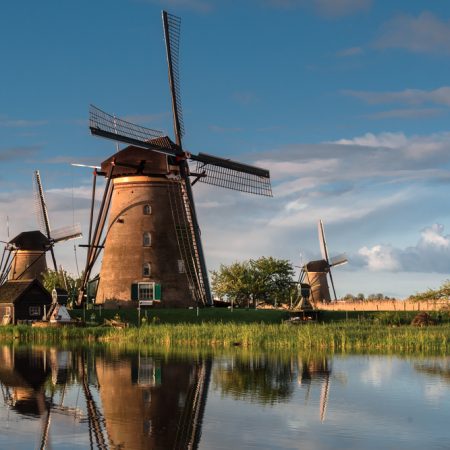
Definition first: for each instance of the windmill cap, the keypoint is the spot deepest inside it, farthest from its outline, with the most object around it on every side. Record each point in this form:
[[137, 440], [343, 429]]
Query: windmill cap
[[30, 240], [136, 160], [317, 266]]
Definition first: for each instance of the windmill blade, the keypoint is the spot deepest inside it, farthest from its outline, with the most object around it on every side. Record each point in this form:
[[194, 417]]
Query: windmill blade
[[66, 233], [323, 242], [338, 260], [85, 165], [40, 205], [43, 212], [172, 25], [332, 285], [233, 175], [110, 127]]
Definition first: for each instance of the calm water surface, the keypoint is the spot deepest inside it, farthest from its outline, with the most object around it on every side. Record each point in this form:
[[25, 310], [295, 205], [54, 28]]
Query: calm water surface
[[105, 398]]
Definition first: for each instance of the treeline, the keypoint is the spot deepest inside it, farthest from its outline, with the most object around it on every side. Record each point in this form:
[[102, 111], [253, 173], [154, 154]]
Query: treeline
[[362, 298]]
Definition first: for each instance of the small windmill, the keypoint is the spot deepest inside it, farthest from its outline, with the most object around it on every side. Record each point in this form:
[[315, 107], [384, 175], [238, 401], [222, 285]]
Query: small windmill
[[314, 273], [24, 255], [163, 248]]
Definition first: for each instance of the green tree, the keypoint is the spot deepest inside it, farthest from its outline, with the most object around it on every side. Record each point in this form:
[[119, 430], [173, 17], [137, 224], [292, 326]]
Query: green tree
[[61, 279], [265, 279]]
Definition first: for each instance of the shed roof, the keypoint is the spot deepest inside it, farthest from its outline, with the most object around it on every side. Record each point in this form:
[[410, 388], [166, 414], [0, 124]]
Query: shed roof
[[12, 290]]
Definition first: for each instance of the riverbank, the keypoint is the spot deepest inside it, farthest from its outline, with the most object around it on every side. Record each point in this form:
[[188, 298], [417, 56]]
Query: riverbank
[[346, 336]]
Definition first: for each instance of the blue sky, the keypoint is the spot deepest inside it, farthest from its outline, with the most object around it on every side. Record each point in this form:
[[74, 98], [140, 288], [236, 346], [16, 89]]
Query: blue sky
[[346, 102]]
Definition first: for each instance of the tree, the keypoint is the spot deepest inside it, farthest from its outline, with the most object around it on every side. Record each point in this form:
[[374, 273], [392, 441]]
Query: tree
[[61, 279], [264, 279]]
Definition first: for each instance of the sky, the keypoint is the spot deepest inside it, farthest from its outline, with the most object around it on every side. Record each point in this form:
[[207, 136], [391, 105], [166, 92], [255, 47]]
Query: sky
[[346, 102]]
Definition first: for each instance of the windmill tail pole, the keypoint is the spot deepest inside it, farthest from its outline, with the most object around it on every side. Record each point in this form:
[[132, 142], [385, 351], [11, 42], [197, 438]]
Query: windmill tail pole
[[95, 238]]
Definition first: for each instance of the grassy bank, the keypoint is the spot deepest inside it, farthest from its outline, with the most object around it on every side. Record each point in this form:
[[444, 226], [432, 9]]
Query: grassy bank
[[342, 336], [173, 316]]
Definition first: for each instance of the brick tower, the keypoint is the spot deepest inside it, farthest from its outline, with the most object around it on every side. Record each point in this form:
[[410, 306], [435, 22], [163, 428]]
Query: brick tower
[[142, 258]]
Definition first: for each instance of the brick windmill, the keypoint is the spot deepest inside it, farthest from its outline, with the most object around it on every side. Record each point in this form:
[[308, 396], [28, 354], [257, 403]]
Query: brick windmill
[[24, 256], [152, 244], [314, 273]]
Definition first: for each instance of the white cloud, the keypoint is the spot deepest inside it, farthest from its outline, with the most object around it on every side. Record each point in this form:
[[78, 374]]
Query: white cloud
[[351, 51], [425, 33], [386, 140], [430, 254], [380, 257], [438, 96], [433, 236], [406, 113]]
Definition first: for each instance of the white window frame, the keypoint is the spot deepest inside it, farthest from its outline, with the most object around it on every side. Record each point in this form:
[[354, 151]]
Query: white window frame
[[151, 285], [181, 266], [147, 210], [36, 309], [147, 236]]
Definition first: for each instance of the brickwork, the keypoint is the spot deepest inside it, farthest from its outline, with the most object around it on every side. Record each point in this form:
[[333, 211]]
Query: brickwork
[[126, 251]]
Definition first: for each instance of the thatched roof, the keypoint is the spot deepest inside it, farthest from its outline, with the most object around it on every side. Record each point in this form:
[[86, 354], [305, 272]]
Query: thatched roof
[[30, 240], [13, 290]]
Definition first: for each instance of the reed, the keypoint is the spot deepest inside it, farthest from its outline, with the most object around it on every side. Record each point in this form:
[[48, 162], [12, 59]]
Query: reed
[[347, 336]]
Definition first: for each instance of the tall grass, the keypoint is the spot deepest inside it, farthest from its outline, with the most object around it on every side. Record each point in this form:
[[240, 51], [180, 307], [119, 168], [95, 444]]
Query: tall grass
[[347, 336]]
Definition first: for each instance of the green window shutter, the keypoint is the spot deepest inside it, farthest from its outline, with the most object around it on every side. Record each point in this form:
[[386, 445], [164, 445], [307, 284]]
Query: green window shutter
[[157, 292], [134, 291]]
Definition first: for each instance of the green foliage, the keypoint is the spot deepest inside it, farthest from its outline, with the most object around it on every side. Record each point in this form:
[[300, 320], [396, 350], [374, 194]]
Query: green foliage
[[265, 279], [61, 279], [443, 293]]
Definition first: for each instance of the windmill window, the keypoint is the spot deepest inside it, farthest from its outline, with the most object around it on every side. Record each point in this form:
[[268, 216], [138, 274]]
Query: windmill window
[[146, 269], [34, 311], [181, 268], [146, 291], [147, 239], [147, 210]]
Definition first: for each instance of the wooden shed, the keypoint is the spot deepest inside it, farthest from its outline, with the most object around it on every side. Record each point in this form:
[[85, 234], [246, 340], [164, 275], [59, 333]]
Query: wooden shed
[[23, 300]]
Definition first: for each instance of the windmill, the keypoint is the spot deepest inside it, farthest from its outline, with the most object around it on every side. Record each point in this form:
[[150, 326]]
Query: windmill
[[23, 256], [314, 273], [152, 241]]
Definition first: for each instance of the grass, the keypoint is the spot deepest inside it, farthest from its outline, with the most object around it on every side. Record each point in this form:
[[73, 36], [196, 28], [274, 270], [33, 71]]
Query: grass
[[350, 336], [173, 316]]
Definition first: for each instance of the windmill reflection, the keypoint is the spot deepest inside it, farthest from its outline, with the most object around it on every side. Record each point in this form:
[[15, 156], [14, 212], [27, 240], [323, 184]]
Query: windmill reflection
[[151, 403], [317, 370], [268, 380], [130, 401], [29, 380]]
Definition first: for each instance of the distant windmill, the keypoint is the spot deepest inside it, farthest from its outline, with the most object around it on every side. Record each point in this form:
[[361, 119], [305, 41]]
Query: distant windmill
[[152, 241], [24, 256], [315, 273]]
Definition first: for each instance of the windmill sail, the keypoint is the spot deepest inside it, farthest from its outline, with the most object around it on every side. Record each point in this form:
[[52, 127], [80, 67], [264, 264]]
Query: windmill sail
[[338, 260], [172, 25], [66, 233], [43, 212], [216, 171], [322, 241]]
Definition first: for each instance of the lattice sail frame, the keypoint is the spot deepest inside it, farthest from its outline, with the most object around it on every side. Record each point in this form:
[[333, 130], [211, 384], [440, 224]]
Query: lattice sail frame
[[101, 120], [172, 35], [234, 179]]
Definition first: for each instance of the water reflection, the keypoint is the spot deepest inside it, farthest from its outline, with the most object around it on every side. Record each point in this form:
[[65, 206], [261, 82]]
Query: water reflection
[[435, 368], [130, 401], [106, 398], [267, 380], [149, 402]]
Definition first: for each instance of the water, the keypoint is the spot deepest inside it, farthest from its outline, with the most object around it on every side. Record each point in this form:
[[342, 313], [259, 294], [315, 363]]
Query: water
[[108, 398]]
